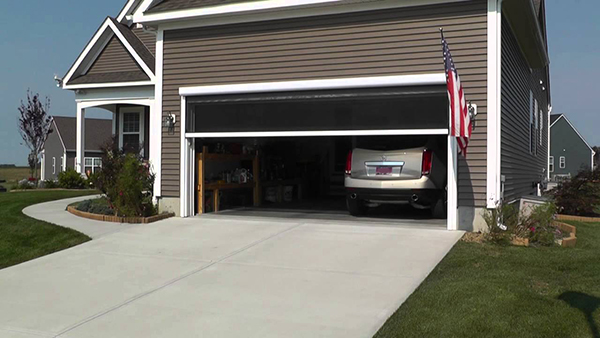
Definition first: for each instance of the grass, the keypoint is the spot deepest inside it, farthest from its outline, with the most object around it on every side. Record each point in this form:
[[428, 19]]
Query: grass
[[483, 290], [23, 238], [12, 175]]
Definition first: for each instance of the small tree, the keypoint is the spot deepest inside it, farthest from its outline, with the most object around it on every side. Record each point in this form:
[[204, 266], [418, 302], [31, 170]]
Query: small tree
[[35, 126]]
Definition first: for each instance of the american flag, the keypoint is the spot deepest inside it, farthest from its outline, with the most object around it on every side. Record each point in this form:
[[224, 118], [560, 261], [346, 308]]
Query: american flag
[[460, 121]]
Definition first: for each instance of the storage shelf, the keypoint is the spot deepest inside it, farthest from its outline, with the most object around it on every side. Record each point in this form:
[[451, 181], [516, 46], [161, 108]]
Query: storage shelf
[[228, 157], [228, 186]]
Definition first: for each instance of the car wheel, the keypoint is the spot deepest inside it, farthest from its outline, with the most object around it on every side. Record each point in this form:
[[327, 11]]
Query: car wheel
[[440, 209], [356, 207]]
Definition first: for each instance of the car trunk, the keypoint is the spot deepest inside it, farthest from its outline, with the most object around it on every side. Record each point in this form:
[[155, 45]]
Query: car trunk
[[387, 165]]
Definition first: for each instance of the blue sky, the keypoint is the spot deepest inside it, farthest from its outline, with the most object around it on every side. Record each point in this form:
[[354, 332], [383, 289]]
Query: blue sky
[[40, 38]]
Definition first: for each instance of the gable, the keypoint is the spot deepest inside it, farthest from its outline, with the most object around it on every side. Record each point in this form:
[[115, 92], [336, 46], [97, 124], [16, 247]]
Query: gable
[[564, 133], [114, 55]]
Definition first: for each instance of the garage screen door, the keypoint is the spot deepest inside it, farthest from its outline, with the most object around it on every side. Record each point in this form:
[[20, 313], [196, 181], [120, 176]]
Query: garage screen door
[[325, 110]]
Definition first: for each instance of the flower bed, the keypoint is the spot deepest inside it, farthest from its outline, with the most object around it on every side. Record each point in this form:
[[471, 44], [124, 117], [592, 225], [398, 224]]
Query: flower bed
[[117, 219], [584, 219]]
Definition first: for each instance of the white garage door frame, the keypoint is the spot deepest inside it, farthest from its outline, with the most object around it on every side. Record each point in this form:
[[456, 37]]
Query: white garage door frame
[[187, 139]]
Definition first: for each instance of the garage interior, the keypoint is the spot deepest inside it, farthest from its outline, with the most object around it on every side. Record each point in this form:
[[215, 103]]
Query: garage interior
[[287, 151]]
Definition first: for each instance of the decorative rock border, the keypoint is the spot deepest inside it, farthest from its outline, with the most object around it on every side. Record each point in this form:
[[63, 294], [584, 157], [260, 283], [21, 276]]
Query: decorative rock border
[[578, 218], [116, 219]]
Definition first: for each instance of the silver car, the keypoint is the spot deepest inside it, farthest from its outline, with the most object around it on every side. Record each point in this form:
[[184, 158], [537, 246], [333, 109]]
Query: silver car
[[416, 176]]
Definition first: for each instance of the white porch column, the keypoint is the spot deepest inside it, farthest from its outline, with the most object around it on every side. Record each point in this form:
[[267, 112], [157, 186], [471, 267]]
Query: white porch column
[[79, 160]]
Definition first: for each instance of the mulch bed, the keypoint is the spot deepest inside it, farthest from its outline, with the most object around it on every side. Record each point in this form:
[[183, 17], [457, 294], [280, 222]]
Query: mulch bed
[[116, 219]]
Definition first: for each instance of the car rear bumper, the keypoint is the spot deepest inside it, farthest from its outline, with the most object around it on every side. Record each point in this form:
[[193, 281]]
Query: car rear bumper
[[419, 196]]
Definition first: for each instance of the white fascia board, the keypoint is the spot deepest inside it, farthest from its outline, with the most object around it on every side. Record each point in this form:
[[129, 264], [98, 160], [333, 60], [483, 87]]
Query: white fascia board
[[320, 133], [577, 131], [132, 51], [270, 10], [126, 10], [98, 103], [560, 117], [85, 52], [341, 83], [109, 85], [494, 92]]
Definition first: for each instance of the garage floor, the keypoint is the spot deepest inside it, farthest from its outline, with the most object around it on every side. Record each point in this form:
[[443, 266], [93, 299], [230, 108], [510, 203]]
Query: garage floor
[[225, 276]]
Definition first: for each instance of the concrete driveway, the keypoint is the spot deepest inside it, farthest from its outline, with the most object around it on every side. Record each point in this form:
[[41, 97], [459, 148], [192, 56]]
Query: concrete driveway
[[223, 276]]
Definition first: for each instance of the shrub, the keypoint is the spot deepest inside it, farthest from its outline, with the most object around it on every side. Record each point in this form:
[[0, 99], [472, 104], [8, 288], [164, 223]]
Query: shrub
[[50, 184], [98, 206], [71, 179], [91, 179], [25, 185], [580, 195], [126, 181], [506, 222]]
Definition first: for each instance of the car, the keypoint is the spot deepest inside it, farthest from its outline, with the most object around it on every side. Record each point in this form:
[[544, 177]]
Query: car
[[416, 176]]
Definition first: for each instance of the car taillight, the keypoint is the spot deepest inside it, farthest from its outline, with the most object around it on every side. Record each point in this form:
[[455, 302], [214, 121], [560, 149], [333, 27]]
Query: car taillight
[[349, 163], [427, 160]]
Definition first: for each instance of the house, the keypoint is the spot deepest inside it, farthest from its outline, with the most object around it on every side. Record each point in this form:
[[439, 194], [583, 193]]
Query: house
[[569, 151], [322, 75], [59, 152]]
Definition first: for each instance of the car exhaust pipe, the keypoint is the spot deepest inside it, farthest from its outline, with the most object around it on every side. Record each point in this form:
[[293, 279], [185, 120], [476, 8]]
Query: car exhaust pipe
[[353, 196], [415, 198]]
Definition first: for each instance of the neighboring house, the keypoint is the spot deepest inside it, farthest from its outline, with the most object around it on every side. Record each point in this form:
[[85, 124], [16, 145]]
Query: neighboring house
[[569, 151], [205, 62], [60, 149]]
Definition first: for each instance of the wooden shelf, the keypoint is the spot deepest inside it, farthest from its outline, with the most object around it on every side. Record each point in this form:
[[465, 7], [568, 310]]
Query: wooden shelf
[[216, 187], [228, 186], [228, 157]]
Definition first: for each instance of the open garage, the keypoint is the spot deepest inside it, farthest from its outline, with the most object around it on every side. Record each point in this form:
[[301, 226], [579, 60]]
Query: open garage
[[378, 152]]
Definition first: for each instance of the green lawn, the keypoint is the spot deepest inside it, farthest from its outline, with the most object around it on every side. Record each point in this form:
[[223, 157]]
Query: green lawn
[[482, 290], [23, 238]]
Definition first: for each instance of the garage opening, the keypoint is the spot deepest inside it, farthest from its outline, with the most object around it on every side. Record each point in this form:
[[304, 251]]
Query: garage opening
[[378, 152]]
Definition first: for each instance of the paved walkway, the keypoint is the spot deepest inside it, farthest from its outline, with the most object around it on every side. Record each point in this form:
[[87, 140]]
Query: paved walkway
[[220, 276], [55, 213]]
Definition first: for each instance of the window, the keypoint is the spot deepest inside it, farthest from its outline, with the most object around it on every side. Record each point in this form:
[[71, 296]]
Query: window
[[53, 165], [92, 164], [562, 162], [62, 164], [551, 164], [132, 128], [531, 125], [541, 127]]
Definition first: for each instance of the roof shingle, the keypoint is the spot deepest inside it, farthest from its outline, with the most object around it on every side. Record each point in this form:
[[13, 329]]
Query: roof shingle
[[97, 132]]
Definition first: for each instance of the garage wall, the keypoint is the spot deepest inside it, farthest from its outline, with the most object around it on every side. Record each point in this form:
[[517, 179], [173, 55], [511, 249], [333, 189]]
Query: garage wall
[[521, 166], [376, 43]]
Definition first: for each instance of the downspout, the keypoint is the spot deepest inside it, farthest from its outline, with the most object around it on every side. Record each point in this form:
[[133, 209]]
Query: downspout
[[548, 129], [494, 91]]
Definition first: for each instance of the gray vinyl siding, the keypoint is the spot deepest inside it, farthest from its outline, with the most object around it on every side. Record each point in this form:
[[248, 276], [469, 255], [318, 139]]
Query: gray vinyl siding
[[564, 141], [148, 39], [520, 168], [114, 58], [377, 43], [53, 149]]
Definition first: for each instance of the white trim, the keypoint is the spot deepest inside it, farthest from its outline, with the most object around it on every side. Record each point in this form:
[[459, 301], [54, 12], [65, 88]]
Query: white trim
[[109, 85], [452, 187], [341, 83], [132, 51], [126, 10], [98, 103], [266, 10], [575, 129], [494, 90], [63, 158], [80, 139], [551, 163], [548, 148], [53, 165], [185, 202], [155, 155], [320, 133]]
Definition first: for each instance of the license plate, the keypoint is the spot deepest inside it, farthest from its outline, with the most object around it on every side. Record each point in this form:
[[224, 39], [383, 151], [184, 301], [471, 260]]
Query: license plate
[[383, 170]]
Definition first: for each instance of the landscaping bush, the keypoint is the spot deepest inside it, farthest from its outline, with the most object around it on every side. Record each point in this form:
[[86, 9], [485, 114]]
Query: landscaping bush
[[25, 184], [91, 179], [50, 184], [580, 195], [506, 223], [71, 179], [126, 181], [99, 206]]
